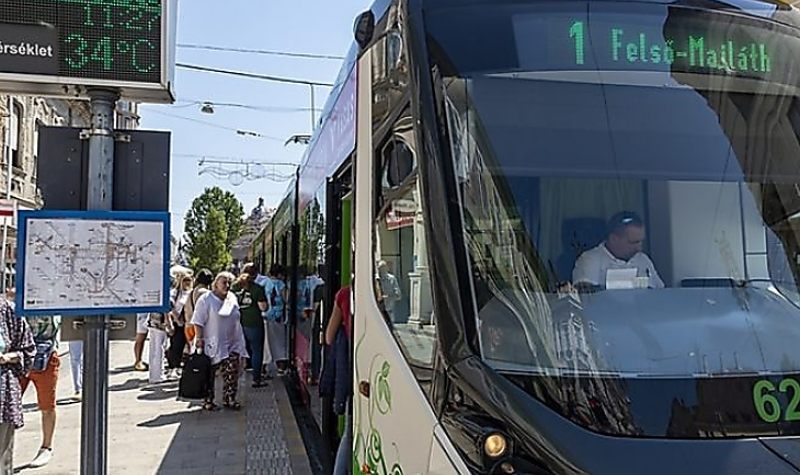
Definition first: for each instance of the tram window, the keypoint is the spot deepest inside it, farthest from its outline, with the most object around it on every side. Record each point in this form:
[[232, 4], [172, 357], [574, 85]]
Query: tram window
[[390, 76], [398, 163], [402, 277]]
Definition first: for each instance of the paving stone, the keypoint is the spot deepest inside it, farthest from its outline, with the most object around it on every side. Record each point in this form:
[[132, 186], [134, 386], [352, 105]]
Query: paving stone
[[164, 436]]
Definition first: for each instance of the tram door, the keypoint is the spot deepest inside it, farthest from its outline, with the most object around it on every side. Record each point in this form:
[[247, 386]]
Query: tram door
[[393, 421], [337, 273]]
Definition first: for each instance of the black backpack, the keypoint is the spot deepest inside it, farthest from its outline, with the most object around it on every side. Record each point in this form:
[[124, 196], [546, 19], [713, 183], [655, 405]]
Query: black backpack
[[196, 376]]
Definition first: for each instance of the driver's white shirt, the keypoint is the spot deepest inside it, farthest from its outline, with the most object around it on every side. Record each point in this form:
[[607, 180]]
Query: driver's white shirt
[[593, 265]]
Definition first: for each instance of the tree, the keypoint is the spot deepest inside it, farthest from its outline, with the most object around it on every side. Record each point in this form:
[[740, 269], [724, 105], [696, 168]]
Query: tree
[[197, 224], [209, 250]]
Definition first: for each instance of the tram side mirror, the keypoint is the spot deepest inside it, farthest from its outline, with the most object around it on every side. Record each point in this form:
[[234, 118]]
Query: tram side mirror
[[364, 29], [398, 162]]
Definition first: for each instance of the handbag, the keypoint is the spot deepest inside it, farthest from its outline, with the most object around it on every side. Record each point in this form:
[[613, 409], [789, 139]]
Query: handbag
[[196, 376], [44, 351]]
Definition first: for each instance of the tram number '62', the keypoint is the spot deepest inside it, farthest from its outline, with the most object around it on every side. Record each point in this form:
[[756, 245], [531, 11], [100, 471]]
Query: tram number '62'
[[767, 404]]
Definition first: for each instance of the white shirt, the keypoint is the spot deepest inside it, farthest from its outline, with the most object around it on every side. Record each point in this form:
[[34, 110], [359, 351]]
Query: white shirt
[[593, 265], [223, 334]]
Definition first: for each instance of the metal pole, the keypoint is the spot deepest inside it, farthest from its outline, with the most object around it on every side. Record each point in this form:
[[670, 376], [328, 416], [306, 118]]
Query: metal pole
[[7, 156], [94, 422], [313, 111]]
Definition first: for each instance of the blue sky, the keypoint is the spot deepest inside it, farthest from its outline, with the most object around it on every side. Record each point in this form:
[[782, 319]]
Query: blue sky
[[306, 26]]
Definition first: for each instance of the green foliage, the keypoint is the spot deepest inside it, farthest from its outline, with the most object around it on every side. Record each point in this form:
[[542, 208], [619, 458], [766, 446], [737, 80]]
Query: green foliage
[[209, 249], [212, 225]]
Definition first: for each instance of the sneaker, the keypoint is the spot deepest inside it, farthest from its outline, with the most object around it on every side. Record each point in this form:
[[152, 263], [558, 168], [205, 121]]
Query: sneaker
[[140, 366], [77, 396], [42, 458]]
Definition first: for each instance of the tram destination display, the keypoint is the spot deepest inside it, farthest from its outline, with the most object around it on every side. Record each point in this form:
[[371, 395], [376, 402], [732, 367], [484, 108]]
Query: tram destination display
[[663, 39], [60, 47]]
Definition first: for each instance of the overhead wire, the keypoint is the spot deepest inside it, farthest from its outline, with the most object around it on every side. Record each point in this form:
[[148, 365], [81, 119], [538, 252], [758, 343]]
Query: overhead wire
[[218, 126], [233, 160], [277, 109], [260, 51], [263, 77]]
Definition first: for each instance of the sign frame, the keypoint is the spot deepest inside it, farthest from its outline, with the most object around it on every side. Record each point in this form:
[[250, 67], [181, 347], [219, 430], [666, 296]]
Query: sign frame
[[138, 216], [68, 87]]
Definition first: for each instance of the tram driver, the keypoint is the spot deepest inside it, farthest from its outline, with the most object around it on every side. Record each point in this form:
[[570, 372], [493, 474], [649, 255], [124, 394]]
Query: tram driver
[[617, 257]]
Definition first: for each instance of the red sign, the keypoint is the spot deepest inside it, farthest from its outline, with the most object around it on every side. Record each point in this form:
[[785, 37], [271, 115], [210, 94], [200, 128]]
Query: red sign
[[7, 208]]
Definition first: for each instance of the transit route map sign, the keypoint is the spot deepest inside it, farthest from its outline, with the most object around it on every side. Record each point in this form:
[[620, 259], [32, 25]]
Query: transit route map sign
[[92, 263]]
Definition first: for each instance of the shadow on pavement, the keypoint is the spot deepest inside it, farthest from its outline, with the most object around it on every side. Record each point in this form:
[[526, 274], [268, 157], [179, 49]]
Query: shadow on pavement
[[158, 393], [128, 385], [22, 467], [167, 419], [204, 442], [67, 401]]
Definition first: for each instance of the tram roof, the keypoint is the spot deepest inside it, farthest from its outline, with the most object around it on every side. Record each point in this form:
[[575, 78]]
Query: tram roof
[[381, 5]]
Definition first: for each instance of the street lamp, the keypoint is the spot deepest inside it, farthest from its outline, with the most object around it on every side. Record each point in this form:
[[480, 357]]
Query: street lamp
[[304, 139]]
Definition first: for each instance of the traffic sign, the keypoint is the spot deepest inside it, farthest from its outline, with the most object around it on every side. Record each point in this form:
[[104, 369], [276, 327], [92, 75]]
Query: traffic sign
[[62, 47], [7, 208]]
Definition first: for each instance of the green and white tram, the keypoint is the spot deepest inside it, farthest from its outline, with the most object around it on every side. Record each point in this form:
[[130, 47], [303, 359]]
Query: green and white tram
[[572, 231]]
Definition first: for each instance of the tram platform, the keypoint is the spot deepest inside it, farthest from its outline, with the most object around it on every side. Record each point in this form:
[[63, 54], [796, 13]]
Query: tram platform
[[151, 432]]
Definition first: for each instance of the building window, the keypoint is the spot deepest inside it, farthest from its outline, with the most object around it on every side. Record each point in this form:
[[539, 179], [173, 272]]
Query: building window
[[16, 135], [36, 128]]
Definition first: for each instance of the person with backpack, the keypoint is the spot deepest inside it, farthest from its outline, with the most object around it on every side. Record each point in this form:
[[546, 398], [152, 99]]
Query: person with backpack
[[252, 305], [277, 296], [44, 376]]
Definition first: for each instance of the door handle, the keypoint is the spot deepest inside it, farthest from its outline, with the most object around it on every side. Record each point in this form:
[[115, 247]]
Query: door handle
[[363, 388]]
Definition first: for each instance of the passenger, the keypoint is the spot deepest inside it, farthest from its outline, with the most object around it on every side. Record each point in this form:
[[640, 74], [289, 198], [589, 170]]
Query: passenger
[[157, 333], [337, 380], [390, 290], [252, 304], [277, 296], [17, 352], [220, 336], [177, 322], [44, 376], [622, 249], [142, 320], [202, 285], [76, 368]]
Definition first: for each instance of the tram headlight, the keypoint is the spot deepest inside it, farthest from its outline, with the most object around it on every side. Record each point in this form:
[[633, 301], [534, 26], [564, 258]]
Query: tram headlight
[[495, 445]]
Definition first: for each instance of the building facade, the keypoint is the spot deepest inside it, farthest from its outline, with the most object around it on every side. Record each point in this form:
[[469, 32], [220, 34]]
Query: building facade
[[21, 118]]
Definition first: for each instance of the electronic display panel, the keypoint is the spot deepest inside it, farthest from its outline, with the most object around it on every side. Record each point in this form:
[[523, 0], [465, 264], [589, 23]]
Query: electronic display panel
[[81, 43], [658, 39]]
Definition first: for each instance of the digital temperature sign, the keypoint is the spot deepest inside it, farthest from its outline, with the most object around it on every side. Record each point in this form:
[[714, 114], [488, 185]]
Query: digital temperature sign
[[62, 47]]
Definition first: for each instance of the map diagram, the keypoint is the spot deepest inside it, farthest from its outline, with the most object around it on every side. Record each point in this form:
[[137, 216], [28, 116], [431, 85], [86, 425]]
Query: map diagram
[[85, 263]]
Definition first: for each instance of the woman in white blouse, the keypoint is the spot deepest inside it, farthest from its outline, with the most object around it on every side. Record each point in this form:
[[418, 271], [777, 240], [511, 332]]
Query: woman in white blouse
[[220, 336]]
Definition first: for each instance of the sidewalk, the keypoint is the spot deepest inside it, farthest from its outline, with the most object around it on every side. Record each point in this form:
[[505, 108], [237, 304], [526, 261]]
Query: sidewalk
[[150, 432]]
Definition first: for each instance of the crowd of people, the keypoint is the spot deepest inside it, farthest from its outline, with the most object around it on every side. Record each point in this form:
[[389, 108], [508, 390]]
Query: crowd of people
[[238, 322], [29, 355]]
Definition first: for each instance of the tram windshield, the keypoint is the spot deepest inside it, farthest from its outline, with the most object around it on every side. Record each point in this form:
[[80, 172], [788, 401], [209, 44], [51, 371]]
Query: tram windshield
[[629, 177]]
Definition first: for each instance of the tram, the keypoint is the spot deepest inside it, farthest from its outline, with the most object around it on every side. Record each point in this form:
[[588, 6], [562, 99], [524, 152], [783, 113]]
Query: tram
[[478, 158]]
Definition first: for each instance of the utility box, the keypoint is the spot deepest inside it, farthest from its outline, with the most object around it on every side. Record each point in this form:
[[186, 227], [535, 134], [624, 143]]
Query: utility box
[[141, 169]]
